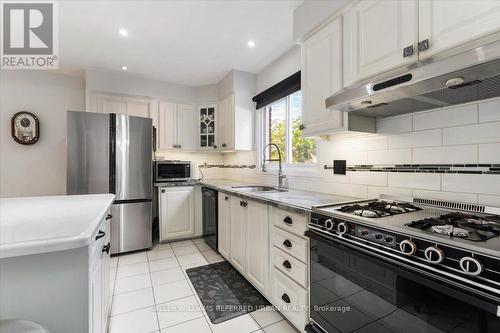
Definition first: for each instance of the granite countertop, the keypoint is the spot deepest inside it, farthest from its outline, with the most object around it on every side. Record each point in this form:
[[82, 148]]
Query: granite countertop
[[297, 199], [34, 225]]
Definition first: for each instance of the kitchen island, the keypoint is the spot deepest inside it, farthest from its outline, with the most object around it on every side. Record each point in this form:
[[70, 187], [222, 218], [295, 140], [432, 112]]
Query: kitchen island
[[54, 261]]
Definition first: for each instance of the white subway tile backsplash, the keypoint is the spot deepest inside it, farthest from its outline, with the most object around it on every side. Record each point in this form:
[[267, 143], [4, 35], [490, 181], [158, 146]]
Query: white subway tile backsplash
[[423, 181], [489, 200], [426, 138], [489, 153], [481, 184], [385, 157], [399, 124], [446, 155], [480, 133], [376, 191], [461, 115], [489, 111], [446, 196], [369, 178]]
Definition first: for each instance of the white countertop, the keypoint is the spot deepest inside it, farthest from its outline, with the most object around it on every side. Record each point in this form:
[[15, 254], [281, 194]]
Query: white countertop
[[34, 225]]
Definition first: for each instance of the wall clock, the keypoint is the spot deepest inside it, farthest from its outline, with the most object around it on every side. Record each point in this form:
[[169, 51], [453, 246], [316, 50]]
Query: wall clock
[[25, 128]]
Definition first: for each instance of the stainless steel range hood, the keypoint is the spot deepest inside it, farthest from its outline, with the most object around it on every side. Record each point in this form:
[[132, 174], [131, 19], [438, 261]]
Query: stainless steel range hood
[[464, 77]]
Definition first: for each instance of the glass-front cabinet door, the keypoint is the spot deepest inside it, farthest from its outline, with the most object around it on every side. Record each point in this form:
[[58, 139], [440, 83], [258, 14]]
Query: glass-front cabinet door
[[207, 136]]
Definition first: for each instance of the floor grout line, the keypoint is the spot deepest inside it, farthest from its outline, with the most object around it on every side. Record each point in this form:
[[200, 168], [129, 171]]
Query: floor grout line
[[154, 297]]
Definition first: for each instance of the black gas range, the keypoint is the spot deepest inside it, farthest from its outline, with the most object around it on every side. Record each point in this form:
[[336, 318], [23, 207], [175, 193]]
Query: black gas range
[[403, 265]]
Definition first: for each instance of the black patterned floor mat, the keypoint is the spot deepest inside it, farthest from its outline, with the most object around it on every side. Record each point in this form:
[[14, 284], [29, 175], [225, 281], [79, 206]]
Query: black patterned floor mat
[[224, 292]]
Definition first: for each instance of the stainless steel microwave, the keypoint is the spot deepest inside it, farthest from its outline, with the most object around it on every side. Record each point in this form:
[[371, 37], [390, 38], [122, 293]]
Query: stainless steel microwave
[[168, 171]]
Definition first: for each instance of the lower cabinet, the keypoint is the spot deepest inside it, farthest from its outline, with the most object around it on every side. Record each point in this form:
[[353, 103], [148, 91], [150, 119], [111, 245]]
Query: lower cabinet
[[239, 215], [224, 225], [257, 249], [176, 212]]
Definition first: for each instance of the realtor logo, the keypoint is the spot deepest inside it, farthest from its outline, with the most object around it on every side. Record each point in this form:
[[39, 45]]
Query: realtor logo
[[29, 35]]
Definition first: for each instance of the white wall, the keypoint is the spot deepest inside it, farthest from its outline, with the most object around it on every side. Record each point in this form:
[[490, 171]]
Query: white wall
[[281, 68], [38, 169], [312, 13]]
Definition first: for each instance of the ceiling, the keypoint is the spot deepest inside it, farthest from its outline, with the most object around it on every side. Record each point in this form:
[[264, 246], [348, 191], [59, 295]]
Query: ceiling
[[185, 42]]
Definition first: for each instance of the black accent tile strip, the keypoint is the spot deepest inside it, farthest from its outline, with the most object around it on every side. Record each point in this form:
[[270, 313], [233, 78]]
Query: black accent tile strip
[[466, 168]]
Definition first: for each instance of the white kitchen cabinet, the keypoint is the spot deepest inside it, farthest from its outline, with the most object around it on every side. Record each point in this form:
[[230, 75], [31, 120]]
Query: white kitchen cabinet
[[238, 233], [176, 126], [375, 34], [321, 77], [257, 249], [236, 115], [176, 210], [123, 105], [207, 127], [224, 225], [447, 24], [96, 299]]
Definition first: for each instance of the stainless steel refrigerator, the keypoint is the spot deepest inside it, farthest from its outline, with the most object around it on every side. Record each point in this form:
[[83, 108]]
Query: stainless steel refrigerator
[[111, 153]]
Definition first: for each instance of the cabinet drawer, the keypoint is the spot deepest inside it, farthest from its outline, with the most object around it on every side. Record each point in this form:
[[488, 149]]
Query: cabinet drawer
[[290, 244], [289, 298], [291, 267], [292, 222]]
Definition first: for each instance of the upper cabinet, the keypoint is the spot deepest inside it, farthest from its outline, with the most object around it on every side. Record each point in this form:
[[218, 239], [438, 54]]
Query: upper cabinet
[[379, 35], [207, 128], [321, 76], [123, 105], [448, 24], [235, 127], [176, 126]]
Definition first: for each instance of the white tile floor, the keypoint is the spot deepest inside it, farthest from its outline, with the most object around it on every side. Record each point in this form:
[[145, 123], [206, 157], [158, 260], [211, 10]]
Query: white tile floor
[[152, 293]]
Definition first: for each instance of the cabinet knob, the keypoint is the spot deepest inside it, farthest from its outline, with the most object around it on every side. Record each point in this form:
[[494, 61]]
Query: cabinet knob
[[285, 298], [287, 264], [287, 243], [423, 45], [408, 51], [109, 216], [226, 198], [215, 146], [106, 248], [100, 235], [288, 220], [179, 146], [302, 127], [224, 145], [243, 204], [163, 191]]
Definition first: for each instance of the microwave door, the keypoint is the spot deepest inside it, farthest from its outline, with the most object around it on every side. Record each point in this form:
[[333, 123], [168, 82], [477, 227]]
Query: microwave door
[[133, 151]]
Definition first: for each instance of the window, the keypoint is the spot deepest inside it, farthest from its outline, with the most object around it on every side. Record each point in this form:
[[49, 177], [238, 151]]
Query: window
[[281, 126]]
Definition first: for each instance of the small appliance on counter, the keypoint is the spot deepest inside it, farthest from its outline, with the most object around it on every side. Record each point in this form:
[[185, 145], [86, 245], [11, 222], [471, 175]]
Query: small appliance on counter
[[172, 171]]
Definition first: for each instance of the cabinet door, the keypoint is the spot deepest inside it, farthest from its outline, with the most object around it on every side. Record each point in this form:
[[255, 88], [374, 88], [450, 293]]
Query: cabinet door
[[447, 24], [167, 125], [138, 109], [321, 77], [106, 272], [238, 230], [226, 123], [176, 212], [257, 234], [207, 127], [185, 125], [96, 291], [224, 225], [375, 34], [112, 106]]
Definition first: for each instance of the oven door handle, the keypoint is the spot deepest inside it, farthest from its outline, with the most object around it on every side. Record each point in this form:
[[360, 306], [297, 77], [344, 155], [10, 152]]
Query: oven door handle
[[472, 296]]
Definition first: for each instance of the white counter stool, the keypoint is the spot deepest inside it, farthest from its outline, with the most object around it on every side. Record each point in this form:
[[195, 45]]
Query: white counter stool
[[20, 326]]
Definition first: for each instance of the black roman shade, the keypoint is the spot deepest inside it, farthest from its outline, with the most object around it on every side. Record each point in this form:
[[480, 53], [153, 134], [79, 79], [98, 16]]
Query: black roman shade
[[281, 89]]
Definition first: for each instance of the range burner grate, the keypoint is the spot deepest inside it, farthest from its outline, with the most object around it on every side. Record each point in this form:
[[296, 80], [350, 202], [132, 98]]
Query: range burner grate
[[376, 209], [467, 226]]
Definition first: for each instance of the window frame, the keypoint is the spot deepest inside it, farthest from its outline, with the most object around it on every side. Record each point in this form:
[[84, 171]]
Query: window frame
[[263, 134]]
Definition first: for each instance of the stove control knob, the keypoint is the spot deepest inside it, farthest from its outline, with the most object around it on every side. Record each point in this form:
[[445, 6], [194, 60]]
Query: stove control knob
[[342, 228], [329, 224], [408, 247], [471, 266], [434, 255]]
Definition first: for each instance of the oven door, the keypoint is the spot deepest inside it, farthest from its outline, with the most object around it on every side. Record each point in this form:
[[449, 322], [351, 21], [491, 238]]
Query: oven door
[[172, 171], [357, 290]]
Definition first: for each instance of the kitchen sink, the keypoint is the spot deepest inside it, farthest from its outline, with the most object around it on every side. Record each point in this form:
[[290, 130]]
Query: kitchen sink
[[258, 188]]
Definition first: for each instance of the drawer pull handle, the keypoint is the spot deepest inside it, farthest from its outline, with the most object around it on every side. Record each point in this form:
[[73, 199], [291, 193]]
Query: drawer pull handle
[[288, 220], [243, 204], [285, 298], [100, 234], [106, 248], [109, 216], [226, 198], [287, 264], [287, 243]]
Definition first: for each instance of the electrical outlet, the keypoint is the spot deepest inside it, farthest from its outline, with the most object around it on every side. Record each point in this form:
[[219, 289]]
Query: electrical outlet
[[339, 167]]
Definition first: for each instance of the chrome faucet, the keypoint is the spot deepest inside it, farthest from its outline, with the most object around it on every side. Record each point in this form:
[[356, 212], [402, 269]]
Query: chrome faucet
[[282, 180]]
